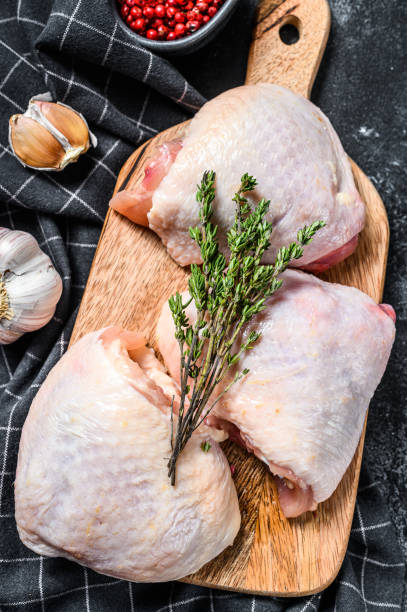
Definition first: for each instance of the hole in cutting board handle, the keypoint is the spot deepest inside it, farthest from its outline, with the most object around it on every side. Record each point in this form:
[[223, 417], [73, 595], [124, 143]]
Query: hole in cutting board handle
[[290, 30]]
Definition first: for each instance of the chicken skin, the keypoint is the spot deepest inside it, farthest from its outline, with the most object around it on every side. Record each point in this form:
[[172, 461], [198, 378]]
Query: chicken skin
[[92, 481], [322, 352], [283, 140]]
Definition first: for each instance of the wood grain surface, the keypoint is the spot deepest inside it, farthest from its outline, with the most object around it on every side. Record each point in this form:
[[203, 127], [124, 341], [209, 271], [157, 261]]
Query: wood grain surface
[[132, 275]]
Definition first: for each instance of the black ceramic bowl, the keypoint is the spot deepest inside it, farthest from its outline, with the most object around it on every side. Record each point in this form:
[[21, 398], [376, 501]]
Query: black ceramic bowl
[[186, 45]]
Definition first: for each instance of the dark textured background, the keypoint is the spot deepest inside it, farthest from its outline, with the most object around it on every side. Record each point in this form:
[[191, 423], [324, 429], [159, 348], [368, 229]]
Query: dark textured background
[[362, 87]]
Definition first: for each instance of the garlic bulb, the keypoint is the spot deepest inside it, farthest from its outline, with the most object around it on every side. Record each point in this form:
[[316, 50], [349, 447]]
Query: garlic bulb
[[30, 287], [49, 135]]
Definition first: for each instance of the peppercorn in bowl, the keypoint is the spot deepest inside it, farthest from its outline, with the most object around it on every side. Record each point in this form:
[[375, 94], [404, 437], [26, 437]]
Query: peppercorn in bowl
[[173, 27]]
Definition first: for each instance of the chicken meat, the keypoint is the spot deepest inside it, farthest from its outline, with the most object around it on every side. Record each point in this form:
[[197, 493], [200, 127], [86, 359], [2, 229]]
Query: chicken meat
[[279, 137], [92, 481], [322, 352]]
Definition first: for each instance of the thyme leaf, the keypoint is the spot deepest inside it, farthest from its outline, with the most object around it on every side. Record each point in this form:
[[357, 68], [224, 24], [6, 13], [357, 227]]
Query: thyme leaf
[[227, 295], [205, 446]]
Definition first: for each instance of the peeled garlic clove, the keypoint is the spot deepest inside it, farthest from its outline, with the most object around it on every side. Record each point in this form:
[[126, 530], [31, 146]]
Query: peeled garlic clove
[[30, 287], [33, 144], [49, 136]]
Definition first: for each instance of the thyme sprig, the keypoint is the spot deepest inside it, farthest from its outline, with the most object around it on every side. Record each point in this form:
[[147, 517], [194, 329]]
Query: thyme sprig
[[227, 295]]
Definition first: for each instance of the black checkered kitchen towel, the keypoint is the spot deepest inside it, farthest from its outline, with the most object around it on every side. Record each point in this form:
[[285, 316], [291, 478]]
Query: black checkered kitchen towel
[[76, 50]]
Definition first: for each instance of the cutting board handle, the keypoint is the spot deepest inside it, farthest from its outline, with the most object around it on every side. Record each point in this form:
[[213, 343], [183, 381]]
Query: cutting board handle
[[292, 65]]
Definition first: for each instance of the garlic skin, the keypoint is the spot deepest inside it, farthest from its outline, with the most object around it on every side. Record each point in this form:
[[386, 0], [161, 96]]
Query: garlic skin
[[30, 287], [49, 135]]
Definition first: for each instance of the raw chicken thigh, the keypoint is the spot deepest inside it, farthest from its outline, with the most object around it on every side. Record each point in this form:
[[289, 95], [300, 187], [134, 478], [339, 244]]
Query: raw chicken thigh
[[92, 482], [283, 140], [323, 350]]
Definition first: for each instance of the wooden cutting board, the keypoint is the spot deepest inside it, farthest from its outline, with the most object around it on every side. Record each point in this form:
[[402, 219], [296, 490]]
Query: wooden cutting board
[[132, 275]]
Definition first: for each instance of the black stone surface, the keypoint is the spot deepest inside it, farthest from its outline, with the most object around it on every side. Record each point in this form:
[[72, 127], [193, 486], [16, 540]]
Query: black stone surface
[[362, 87]]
